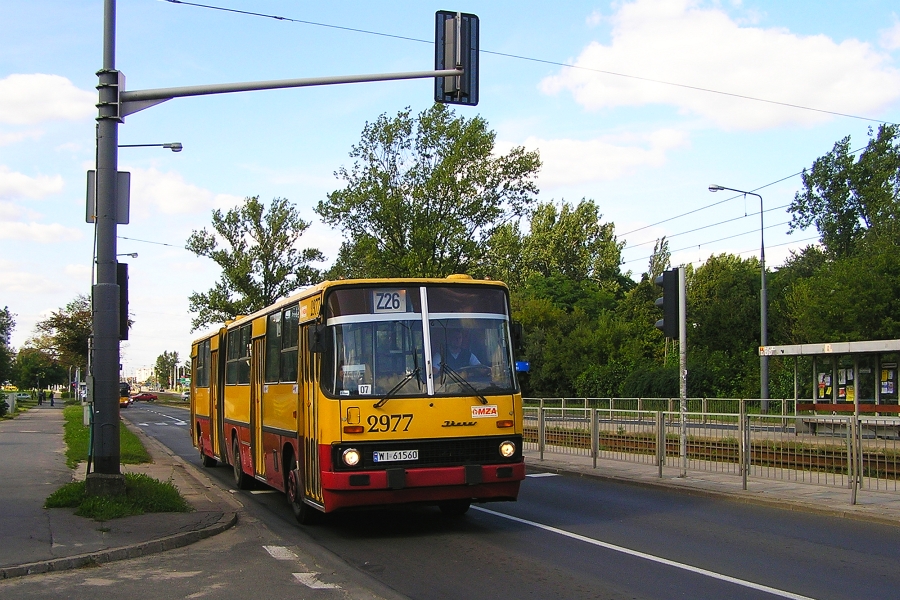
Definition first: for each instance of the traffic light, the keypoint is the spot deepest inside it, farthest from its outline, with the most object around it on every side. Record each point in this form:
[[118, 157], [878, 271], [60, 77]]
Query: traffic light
[[668, 281], [456, 45]]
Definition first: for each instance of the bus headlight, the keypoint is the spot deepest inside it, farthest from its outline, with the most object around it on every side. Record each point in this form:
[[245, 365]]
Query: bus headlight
[[507, 449], [350, 457]]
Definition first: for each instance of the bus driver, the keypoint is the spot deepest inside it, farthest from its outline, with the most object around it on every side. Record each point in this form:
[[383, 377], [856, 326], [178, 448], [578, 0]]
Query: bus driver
[[457, 356]]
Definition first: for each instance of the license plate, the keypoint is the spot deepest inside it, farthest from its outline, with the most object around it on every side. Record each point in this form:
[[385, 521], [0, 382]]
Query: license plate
[[394, 455]]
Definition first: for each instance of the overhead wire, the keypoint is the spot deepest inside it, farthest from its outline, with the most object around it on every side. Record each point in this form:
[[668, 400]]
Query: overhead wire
[[538, 60]]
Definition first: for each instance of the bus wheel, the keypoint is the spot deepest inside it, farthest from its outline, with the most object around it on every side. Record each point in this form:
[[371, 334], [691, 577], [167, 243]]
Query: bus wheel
[[207, 461], [454, 508], [303, 512], [241, 480]]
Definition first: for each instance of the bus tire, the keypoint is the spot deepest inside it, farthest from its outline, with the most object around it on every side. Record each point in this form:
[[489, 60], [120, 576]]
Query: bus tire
[[303, 512], [454, 508], [206, 460], [241, 480]]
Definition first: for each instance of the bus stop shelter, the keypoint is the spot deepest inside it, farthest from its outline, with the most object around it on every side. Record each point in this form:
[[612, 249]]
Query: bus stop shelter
[[858, 377]]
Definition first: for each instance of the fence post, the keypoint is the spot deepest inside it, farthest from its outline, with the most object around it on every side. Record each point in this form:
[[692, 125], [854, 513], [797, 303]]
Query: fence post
[[854, 462], [660, 441], [704, 408], [541, 432], [743, 423], [595, 435]]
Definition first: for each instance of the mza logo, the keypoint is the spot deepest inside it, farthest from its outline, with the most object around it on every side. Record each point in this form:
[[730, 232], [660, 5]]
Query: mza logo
[[487, 411]]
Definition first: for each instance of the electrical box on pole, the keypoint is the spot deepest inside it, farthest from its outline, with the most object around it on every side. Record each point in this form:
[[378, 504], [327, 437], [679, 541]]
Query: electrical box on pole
[[456, 47], [669, 303]]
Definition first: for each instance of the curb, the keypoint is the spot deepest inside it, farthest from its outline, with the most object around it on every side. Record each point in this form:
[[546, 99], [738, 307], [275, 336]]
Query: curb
[[178, 540], [742, 497]]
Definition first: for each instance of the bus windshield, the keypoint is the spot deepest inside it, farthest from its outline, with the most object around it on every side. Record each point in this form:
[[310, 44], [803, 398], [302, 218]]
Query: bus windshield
[[379, 342]]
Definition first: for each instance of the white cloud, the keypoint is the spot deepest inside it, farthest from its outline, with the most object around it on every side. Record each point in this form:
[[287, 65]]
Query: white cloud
[[22, 282], [37, 232], [7, 139], [676, 41], [33, 98], [168, 193], [567, 161], [17, 185], [890, 37]]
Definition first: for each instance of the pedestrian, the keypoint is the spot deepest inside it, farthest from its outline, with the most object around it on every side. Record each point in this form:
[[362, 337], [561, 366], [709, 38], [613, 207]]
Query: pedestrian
[[51, 397], [40, 397]]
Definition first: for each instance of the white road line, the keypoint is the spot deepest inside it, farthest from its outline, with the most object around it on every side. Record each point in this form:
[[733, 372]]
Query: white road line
[[257, 492], [280, 552], [650, 557], [542, 475], [311, 580]]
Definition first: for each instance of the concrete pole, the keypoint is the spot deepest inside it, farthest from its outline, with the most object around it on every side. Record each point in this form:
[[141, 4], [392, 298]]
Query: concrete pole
[[106, 478]]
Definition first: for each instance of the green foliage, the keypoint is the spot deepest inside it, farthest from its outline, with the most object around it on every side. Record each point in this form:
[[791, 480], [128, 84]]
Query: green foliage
[[33, 365], [65, 333], [260, 262], [165, 363], [143, 494], [7, 324], [852, 202], [425, 195], [850, 299]]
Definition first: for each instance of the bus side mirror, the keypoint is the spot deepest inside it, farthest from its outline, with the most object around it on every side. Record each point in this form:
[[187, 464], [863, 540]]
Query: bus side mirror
[[518, 336], [317, 338]]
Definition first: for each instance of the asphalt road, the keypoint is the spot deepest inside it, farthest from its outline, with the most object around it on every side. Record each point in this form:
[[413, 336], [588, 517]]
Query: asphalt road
[[570, 537]]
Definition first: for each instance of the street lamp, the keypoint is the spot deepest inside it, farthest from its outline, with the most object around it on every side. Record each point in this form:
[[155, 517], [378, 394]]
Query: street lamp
[[173, 146], [131, 254], [763, 301]]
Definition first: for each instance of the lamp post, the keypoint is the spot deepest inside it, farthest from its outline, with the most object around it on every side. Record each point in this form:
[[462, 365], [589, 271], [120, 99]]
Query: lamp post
[[763, 300], [173, 146]]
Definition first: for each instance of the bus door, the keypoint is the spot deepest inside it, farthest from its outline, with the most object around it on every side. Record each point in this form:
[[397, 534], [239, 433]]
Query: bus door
[[257, 371], [309, 409], [216, 399]]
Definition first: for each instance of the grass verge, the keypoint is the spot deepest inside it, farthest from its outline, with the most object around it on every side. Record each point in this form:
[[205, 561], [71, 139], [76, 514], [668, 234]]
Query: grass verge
[[143, 494], [77, 438]]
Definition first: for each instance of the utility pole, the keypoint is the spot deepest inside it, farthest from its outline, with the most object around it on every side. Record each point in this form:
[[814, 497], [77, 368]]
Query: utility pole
[[107, 478]]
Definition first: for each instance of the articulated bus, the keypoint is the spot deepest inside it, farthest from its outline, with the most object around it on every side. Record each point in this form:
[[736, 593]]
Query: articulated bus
[[359, 393]]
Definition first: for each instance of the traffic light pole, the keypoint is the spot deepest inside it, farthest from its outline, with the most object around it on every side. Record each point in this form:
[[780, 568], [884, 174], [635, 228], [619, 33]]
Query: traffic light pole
[[682, 368], [106, 478], [115, 103]]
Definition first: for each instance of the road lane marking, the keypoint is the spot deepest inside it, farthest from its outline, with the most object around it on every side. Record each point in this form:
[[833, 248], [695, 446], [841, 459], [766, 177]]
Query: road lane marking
[[311, 580], [542, 475], [651, 557], [280, 553]]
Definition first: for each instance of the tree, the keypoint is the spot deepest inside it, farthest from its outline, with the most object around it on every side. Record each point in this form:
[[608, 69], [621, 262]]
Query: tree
[[850, 202], [572, 242], [35, 368], [7, 324], [660, 259], [425, 195], [165, 365], [65, 334], [260, 262]]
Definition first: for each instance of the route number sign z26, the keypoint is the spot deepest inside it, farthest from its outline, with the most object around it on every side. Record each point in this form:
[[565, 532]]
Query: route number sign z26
[[389, 301]]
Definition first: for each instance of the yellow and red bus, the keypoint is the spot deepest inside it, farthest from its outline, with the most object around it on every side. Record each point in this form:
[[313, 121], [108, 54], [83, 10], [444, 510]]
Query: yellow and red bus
[[371, 392]]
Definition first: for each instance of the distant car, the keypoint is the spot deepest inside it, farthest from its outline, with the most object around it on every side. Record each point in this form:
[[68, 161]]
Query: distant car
[[186, 395], [23, 396], [145, 396]]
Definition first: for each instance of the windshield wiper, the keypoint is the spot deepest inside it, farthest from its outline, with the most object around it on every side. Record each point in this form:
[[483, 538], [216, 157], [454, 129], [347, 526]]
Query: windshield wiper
[[445, 368], [396, 388]]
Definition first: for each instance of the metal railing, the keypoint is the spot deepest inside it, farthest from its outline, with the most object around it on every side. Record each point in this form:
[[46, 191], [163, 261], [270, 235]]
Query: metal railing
[[856, 452]]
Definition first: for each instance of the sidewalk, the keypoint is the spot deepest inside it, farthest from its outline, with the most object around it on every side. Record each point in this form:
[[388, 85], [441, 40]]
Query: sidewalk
[[39, 540], [873, 507]]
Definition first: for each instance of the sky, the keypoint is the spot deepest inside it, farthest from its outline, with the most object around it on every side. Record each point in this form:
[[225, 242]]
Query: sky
[[639, 105]]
